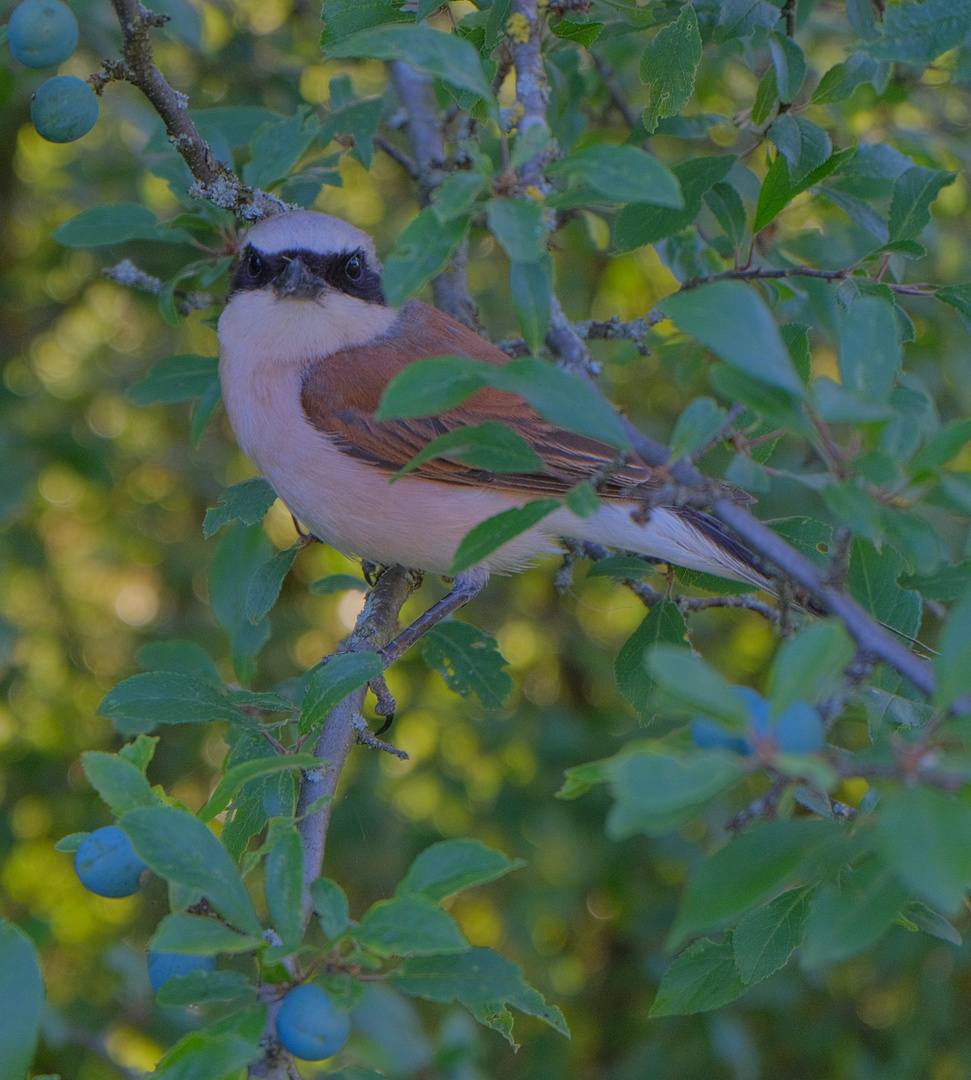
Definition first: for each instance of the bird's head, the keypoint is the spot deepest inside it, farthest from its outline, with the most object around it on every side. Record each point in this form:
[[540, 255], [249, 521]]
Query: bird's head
[[304, 284], [303, 256]]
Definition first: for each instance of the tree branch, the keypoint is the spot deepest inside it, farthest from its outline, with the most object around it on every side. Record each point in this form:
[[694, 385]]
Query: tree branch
[[450, 288], [214, 180], [375, 628]]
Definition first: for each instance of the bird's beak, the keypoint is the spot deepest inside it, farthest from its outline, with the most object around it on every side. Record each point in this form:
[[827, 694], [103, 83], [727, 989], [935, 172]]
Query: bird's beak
[[297, 283]]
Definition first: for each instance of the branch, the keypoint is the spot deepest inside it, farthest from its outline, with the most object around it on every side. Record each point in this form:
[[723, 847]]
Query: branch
[[765, 273], [214, 180], [450, 288], [375, 628]]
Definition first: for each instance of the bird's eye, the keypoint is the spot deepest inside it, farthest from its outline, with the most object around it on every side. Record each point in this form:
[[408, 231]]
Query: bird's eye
[[353, 268], [254, 265]]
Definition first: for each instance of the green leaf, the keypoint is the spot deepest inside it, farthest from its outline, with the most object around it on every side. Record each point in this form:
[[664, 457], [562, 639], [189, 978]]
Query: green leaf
[[869, 348], [121, 784], [745, 872], [199, 935], [531, 287], [409, 925], [335, 583], [765, 937], [451, 866], [766, 96], [953, 666], [22, 993], [641, 223], [873, 582], [663, 625], [430, 386], [204, 1056], [694, 686], [439, 55], [478, 978], [584, 34], [842, 80], [913, 194], [279, 145], [201, 987], [931, 922], [849, 503], [622, 174], [520, 227], [184, 657], [668, 67], [283, 883], [469, 662], [358, 119], [656, 789], [334, 681], [179, 848], [164, 697], [790, 66], [248, 502], [420, 252], [236, 776], [457, 194], [103, 225], [731, 319], [71, 842], [810, 664], [944, 445], [703, 977], [843, 922], [562, 398], [959, 298], [918, 33], [341, 19], [140, 751], [778, 190], [179, 378], [926, 841], [499, 529], [804, 145], [491, 445], [624, 567], [204, 411], [330, 905], [582, 500], [239, 554], [696, 427], [266, 583], [727, 206]]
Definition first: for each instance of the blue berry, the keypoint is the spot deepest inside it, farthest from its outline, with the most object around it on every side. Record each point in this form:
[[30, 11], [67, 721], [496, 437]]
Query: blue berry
[[63, 109], [42, 33], [310, 1026], [799, 730], [708, 735], [163, 966], [107, 864]]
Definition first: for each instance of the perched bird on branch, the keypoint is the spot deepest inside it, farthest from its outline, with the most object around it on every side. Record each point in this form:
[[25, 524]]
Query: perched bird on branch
[[308, 346]]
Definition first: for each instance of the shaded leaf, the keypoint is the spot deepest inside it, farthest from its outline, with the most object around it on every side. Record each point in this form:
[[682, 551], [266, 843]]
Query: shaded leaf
[[497, 530], [334, 681], [668, 67], [765, 937], [451, 866], [408, 925], [248, 502], [663, 624], [730, 319], [468, 660], [703, 977]]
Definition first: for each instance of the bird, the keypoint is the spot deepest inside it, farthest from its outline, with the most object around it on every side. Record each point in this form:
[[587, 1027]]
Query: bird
[[308, 345]]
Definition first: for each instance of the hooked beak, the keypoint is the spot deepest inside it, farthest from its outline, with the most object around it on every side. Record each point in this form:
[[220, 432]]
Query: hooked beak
[[297, 283]]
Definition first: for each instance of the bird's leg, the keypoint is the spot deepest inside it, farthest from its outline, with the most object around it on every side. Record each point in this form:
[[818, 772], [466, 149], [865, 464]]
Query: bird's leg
[[385, 705], [467, 585]]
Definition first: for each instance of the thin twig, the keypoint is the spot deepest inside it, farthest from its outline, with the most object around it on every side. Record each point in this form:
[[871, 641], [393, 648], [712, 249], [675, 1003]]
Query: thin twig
[[213, 180]]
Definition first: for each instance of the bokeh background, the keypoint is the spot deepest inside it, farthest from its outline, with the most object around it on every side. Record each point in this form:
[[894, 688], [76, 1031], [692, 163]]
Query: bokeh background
[[101, 552]]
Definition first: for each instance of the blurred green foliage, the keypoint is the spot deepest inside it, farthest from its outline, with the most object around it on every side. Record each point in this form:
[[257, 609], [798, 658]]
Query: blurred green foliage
[[102, 554]]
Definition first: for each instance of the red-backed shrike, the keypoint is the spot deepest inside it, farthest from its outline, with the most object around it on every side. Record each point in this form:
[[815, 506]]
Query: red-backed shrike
[[308, 346]]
